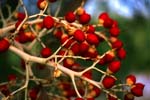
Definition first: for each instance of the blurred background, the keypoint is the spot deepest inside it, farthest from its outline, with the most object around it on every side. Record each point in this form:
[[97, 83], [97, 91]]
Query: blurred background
[[133, 17]]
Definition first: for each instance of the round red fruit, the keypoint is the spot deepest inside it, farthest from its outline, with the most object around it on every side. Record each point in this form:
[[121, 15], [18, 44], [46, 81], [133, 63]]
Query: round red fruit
[[84, 46], [80, 11], [130, 79], [137, 89], [33, 93], [108, 82], [121, 53], [92, 52], [114, 66], [23, 38], [17, 25], [79, 35], [96, 91], [68, 62], [12, 77], [109, 57], [115, 23], [4, 45], [48, 22], [117, 44], [92, 39], [20, 16], [70, 17], [41, 4], [114, 31], [46, 52], [84, 18], [75, 48], [108, 22], [58, 34], [90, 29], [5, 90], [103, 16], [88, 74]]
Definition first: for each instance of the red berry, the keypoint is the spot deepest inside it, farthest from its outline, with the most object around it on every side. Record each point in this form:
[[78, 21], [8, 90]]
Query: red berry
[[79, 35], [25, 37], [65, 39], [92, 52], [58, 34], [4, 45], [92, 39], [130, 79], [41, 4], [108, 82], [22, 38], [70, 17], [97, 91], [61, 52], [114, 66], [80, 11], [48, 22], [121, 53], [33, 93], [109, 57], [114, 31], [23, 27], [30, 36], [84, 46], [102, 61], [108, 22], [68, 62], [84, 18], [117, 44], [20, 16], [103, 16], [39, 26], [129, 96], [46, 52], [88, 74], [140, 85], [17, 24], [11, 77], [90, 29], [75, 48], [137, 89], [5, 90], [115, 23]]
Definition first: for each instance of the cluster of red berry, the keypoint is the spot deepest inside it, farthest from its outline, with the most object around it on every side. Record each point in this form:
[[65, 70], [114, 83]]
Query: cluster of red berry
[[78, 39]]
